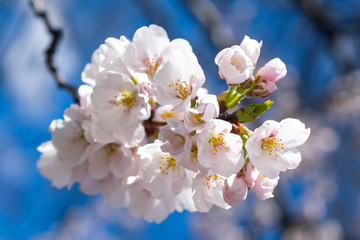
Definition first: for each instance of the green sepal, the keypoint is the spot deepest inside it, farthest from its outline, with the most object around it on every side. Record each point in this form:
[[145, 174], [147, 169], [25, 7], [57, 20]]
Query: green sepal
[[252, 112]]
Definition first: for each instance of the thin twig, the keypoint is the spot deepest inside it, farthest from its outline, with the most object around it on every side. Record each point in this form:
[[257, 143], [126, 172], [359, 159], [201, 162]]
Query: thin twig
[[56, 35]]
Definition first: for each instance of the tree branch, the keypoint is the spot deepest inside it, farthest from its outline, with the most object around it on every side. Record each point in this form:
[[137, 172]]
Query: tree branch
[[56, 35]]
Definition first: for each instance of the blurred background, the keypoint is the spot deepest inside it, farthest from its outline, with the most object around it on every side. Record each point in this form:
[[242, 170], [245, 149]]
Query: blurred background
[[317, 39]]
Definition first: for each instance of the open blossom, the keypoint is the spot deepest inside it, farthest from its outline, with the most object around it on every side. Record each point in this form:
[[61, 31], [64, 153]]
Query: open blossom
[[162, 174], [208, 190], [272, 147], [189, 157], [68, 137], [236, 64], [251, 48], [152, 48], [119, 102], [52, 168], [109, 56], [264, 187], [178, 79], [111, 158], [235, 190], [174, 135], [208, 108], [218, 149]]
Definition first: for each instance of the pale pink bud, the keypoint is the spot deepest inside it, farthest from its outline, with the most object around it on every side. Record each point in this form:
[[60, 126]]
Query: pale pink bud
[[235, 190], [264, 187], [251, 174], [274, 70], [263, 88]]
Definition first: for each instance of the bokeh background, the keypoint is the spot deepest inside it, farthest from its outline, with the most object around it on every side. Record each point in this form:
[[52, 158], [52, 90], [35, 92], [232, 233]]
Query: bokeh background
[[317, 39]]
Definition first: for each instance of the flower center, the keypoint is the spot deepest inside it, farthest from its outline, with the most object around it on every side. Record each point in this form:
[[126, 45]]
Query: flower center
[[125, 98], [217, 142], [213, 181], [110, 150], [152, 65], [236, 64], [197, 117], [167, 164], [182, 89], [194, 152], [79, 137], [272, 145]]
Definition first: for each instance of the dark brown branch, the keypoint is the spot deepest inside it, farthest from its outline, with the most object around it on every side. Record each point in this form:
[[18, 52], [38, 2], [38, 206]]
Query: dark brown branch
[[56, 35]]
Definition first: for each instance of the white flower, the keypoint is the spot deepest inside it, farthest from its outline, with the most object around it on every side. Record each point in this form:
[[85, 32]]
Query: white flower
[[144, 204], [119, 102], [272, 147], [218, 149], [251, 48], [234, 65], [264, 187], [208, 190], [208, 108], [162, 173], [189, 157], [174, 135], [103, 59], [235, 190], [178, 80], [114, 190], [111, 158], [69, 138], [152, 47], [52, 168]]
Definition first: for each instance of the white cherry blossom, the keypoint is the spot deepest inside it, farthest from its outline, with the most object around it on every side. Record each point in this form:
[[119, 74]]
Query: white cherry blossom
[[189, 157], [264, 187], [152, 47], [162, 173], [52, 168], [69, 138], [272, 147], [119, 102], [173, 135], [178, 79], [234, 65], [208, 190], [208, 108], [218, 149], [111, 158], [251, 48]]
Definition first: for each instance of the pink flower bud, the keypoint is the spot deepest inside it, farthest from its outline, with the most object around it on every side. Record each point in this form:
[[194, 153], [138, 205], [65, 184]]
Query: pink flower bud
[[274, 70], [264, 187], [251, 174], [263, 88], [235, 190]]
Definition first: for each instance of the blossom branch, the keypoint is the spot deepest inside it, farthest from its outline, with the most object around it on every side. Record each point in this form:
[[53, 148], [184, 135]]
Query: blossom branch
[[56, 36]]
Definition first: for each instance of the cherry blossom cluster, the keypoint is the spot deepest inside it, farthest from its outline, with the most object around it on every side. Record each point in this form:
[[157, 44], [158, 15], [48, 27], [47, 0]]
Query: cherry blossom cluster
[[148, 137]]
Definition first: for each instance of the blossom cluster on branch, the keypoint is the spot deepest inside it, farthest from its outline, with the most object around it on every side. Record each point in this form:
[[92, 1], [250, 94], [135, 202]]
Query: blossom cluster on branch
[[147, 136]]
